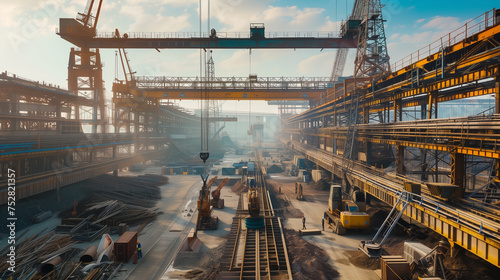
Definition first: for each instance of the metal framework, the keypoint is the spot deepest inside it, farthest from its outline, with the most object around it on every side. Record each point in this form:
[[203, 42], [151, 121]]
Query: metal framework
[[372, 58], [465, 65]]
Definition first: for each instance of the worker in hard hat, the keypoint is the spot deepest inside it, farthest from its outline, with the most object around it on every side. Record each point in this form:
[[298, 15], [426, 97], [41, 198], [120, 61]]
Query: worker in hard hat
[[139, 251], [303, 222]]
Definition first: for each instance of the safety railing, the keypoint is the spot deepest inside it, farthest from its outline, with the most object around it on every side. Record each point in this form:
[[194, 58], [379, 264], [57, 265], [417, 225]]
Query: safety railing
[[221, 35], [470, 28], [10, 76], [233, 82], [481, 225]]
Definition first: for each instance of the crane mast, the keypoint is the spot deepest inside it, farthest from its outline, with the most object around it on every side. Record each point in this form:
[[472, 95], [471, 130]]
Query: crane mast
[[347, 32]]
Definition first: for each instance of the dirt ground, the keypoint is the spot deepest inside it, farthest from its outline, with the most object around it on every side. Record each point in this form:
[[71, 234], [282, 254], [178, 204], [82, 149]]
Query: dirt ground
[[306, 260]]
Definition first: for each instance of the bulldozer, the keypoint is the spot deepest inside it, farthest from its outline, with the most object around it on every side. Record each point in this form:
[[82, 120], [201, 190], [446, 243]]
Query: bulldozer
[[344, 215]]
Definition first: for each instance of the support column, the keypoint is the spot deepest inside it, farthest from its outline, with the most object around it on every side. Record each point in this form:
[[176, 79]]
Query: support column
[[423, 112], [398, 111], [497, 95], [432, 113], [400, 160], [369, 153], [366, 115], [58, 115], [458, 173]]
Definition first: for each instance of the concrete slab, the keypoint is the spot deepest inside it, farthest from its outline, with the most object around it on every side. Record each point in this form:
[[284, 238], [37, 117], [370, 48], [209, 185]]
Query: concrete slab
[[310, 232]]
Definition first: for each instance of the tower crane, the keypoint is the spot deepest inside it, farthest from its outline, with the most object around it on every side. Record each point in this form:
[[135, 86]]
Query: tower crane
[[85, 67], [348, 29], [89, 20]]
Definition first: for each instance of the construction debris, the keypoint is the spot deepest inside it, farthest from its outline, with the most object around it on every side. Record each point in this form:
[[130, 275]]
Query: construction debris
[[38, 249], [140, 191]]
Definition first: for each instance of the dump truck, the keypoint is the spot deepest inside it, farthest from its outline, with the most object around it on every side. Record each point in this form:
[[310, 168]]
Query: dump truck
[[343, 215]]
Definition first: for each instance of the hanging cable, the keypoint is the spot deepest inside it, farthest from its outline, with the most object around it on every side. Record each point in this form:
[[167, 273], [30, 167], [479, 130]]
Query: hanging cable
[[116, 65]]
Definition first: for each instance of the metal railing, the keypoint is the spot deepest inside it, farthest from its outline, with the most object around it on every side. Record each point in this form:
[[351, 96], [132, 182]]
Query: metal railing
[[220, 35], [475, 222], [13, 77], [303, 83], [470, 28]]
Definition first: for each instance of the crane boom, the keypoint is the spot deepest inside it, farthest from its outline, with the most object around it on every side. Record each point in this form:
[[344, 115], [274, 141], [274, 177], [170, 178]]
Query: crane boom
[[341, 56], [87, 18]]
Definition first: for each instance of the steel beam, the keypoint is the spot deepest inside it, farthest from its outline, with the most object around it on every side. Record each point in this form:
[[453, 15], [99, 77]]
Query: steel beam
[[210, 43], [459, 227], [458, 173]]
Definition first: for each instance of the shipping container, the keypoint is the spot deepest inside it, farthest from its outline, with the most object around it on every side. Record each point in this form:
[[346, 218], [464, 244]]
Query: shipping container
[[126, 246], [228, 171]]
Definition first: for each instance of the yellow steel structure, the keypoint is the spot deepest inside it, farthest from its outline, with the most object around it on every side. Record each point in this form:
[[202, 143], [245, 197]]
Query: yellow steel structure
[[463, 64], [463, 228]]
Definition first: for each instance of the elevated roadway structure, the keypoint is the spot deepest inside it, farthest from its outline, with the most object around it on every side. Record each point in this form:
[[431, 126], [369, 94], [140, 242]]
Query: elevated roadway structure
[[462, 64]]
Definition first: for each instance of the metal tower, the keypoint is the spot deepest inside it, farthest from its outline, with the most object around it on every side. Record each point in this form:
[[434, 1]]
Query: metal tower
[[371, 56], [348, 29], [214, 106], [372, 59]]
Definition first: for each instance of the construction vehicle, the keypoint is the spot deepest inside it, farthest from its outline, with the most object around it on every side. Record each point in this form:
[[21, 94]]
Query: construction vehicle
[[217, 202], [344, 214], [253, 202], [205, 219], [298, 191]]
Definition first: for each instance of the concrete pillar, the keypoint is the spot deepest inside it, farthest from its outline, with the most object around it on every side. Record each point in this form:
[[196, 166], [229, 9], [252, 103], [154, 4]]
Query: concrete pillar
[[400, 160]]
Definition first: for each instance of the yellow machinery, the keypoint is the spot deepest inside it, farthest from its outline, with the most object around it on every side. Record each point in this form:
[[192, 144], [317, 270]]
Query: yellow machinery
[[253, 202], [205, 219], [344, 214], [217, 202]]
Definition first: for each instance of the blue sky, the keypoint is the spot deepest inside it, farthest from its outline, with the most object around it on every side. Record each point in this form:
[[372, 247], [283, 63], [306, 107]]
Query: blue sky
[[31, 49]]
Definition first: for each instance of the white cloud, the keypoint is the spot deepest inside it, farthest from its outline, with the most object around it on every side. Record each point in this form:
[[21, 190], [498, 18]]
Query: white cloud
[[416, 37], [443, 23], [420, 20], [394, 36], [144, 22], [316, 65]]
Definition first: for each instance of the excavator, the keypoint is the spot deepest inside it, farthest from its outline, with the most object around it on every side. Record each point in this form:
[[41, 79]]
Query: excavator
[[205, 204], [217, 202], [343, 215], [205, 220]]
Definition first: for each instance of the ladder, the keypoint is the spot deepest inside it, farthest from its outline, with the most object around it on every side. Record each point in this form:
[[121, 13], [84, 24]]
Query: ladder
[[351, 134], [373, 248]]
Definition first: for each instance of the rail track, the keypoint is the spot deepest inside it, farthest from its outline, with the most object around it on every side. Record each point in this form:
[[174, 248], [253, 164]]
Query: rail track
[[256, 253]]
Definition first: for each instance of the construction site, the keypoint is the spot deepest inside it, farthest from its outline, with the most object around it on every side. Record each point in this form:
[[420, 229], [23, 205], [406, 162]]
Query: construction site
[[386, 167]]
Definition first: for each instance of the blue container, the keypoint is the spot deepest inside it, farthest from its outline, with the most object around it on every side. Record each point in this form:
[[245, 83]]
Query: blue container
[[228, 171], [301, 163]]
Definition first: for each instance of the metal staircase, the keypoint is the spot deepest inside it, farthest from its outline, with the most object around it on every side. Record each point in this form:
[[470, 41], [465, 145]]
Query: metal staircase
[[373, 248]]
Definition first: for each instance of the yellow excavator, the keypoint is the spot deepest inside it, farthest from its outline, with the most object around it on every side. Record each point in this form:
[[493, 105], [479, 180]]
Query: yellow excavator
[[344, 215], [217, 202], [205, 219]]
